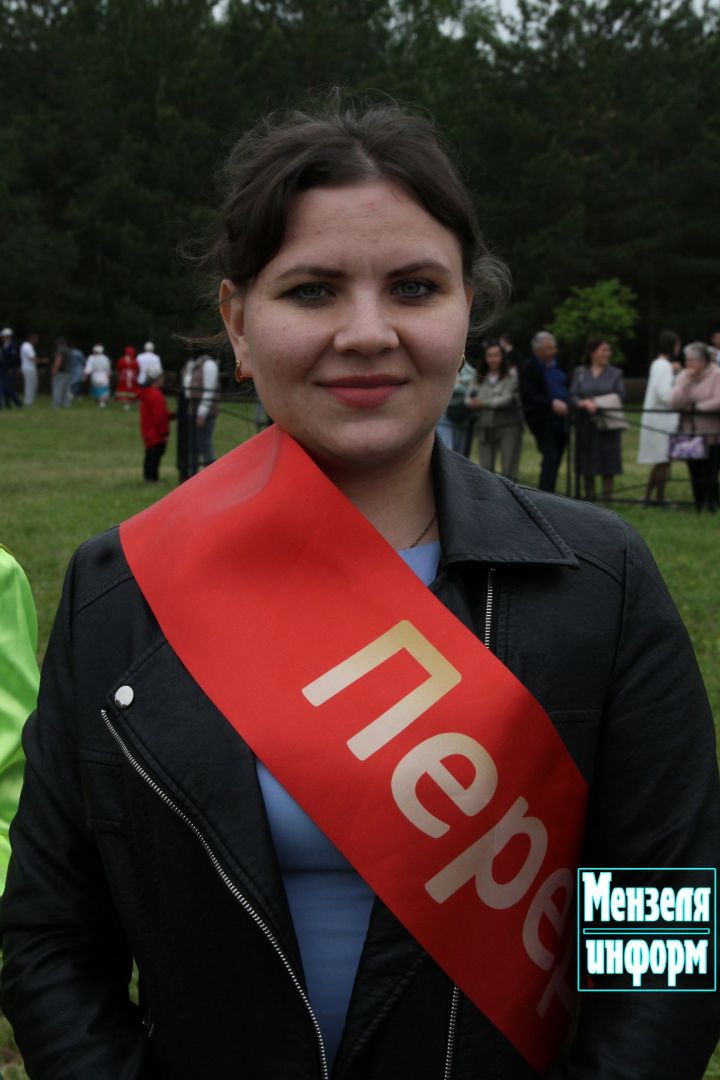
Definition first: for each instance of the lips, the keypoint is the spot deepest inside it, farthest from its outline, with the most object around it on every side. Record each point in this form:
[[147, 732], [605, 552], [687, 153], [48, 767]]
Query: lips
[[364, 391]]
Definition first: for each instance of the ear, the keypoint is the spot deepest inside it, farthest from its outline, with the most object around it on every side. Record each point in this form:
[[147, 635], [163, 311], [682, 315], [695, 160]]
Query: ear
[[232, 309], [469, 297]]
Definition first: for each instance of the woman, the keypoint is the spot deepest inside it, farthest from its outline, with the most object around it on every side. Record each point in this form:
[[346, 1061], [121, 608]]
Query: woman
[[98, 371], [597, 444], [697, 394], [277, 602], [127, 371], [494, 398], [656, 426]]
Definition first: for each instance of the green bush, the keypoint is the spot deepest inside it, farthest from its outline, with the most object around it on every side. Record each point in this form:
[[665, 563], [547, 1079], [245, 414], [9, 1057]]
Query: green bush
[[606, 308]]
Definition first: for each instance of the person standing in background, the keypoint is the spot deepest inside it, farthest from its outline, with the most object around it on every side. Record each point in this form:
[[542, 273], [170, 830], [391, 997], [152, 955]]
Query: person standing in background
[[697, 394], [127, 370], [19, 678], [544, 396], [28, 368], [98, 370], [656, 426], [154, 423], [596, 385], [147, 359], [493, 397], [9, 364], [62, 375], [77, 369], [201, 383]]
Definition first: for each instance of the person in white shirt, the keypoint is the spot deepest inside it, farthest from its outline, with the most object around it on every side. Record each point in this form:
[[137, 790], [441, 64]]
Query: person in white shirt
[[656, 426], [201, 383], [28, 368], [147, 359], [97, 369]]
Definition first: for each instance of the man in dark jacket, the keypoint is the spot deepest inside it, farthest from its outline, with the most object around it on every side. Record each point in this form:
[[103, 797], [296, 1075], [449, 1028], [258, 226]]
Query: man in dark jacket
[[544, 395], [9, 367]]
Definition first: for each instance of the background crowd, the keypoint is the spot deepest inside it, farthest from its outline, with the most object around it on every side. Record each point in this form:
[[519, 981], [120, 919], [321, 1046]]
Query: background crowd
[[498, 392], [136, 378]]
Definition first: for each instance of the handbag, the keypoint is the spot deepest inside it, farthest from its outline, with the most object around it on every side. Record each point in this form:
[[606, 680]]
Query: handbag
[[688, 447], [612, 417]]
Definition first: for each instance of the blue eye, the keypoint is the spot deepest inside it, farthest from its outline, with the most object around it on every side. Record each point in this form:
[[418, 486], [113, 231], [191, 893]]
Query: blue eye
[[310, 291], [413, 290]]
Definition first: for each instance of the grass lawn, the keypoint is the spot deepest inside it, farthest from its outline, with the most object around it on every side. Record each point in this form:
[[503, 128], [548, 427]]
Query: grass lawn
[[68, 474]]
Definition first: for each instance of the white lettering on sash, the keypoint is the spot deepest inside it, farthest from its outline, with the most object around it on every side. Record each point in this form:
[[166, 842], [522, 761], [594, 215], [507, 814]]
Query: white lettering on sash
[[477, 861], [443, 677], [543, 904], [426, 759]]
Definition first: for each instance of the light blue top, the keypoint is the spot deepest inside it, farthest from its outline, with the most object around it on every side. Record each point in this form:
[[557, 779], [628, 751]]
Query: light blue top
[[329, 901]]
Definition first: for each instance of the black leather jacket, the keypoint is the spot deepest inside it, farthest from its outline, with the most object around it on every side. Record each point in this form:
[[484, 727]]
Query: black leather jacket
[[142, 833]]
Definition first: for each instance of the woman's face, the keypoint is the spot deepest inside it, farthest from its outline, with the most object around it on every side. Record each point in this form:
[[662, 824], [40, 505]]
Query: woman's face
[[695, 364], [493, 358], [600, 357], [355, 330]]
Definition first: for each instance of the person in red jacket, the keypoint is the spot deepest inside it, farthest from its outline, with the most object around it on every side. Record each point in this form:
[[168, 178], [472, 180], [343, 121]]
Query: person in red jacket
[[127, 371], [154, 423]]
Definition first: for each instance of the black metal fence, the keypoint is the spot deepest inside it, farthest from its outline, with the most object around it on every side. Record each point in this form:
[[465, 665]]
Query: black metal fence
[[629, 493], [254, 417], [633, 492], [189, 437]]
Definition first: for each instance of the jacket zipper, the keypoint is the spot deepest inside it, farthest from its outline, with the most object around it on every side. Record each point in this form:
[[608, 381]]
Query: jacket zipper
[[489, 602], [451, 1033], [229, 884], [454, 1005]]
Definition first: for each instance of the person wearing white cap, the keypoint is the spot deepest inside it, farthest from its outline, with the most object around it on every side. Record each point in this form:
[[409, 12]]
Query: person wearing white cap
[[147, 359], [98, 369]]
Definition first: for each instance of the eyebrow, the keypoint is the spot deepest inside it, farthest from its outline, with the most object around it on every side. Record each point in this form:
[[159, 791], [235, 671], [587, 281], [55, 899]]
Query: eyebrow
[[330, 272]]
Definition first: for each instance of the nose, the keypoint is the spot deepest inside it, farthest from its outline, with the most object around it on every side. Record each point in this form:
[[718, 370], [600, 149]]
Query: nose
[[365, 328]]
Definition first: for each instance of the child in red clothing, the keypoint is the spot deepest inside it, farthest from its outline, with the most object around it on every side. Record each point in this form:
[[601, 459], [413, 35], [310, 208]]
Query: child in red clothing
[[127, 370], [154, 423]]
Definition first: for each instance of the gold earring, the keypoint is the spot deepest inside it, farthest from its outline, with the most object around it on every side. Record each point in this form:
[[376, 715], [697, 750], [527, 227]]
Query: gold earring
[[239, 377], [462, 363]]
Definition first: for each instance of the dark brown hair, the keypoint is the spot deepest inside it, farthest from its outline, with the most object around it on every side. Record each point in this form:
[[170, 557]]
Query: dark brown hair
[[668, 342], [293, 152], [482, 364], [592, 344]]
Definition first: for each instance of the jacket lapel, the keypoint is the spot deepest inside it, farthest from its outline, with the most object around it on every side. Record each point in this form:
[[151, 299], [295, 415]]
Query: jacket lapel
[[485, 518], [196, 757]]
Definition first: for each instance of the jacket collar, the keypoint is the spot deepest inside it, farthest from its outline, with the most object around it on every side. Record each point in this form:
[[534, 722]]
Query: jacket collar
[[485, 518]]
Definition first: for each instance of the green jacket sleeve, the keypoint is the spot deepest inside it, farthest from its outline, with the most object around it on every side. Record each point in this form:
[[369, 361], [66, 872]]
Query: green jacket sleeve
[[18, 688]]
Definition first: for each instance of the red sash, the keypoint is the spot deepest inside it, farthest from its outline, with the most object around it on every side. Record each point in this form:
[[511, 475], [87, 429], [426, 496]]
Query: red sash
[[423, 759]]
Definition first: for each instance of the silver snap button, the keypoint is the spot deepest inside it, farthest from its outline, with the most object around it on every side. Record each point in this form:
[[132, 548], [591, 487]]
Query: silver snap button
[[124, 697]]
